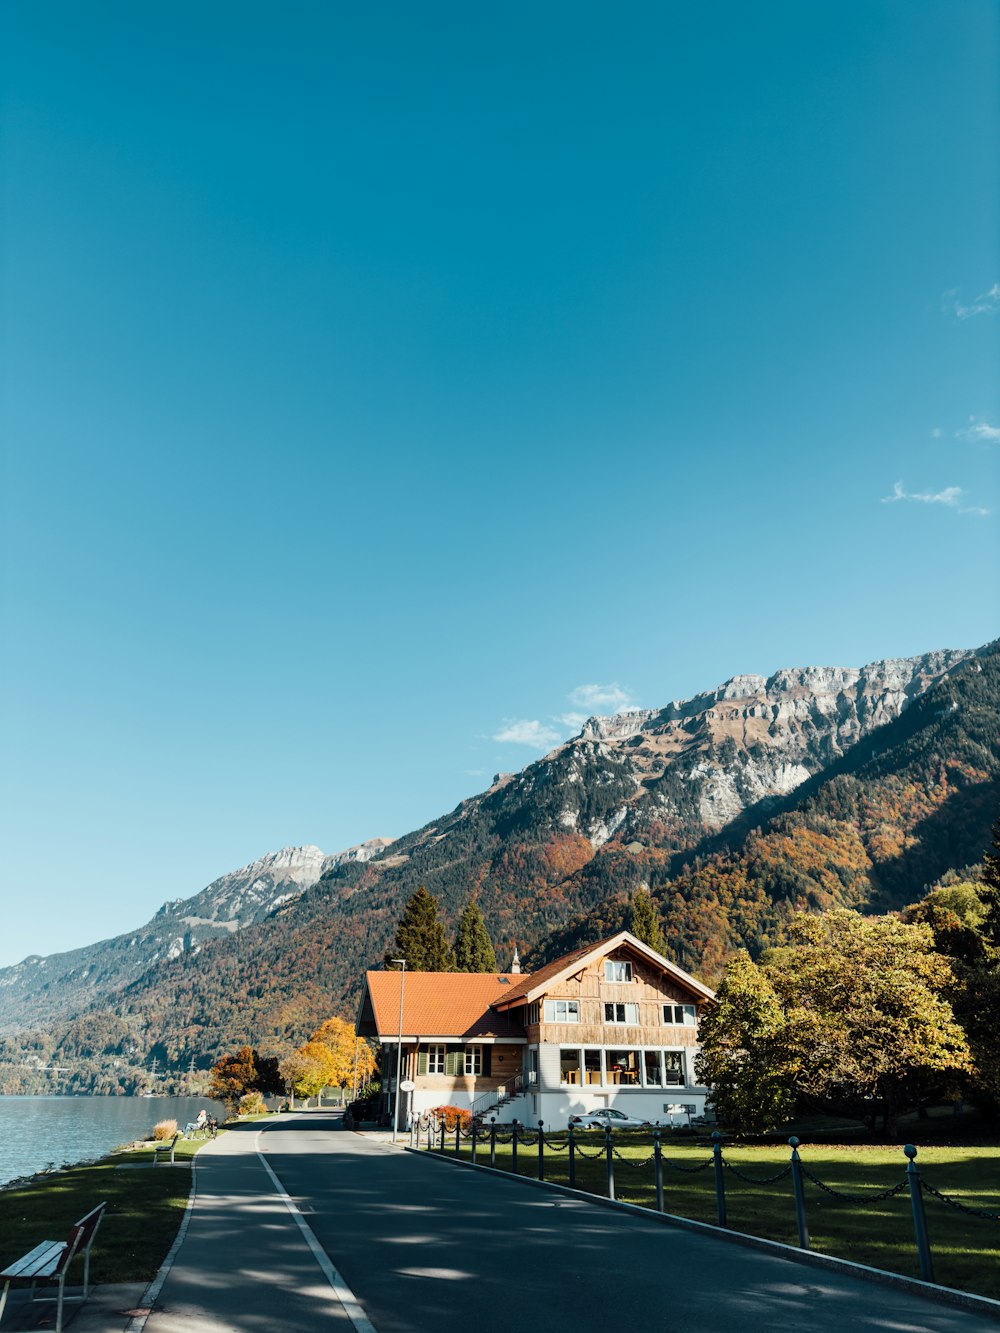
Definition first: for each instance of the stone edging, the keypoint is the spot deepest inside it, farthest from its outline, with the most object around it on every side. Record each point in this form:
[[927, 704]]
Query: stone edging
[[965, 1300]]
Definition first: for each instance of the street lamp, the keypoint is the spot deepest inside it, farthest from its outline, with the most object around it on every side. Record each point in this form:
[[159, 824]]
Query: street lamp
[[399, 1048]]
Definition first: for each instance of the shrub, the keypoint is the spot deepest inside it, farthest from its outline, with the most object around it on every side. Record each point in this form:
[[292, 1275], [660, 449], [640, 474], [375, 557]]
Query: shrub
[[164, 1129], [453, 1115], [252, 1103]]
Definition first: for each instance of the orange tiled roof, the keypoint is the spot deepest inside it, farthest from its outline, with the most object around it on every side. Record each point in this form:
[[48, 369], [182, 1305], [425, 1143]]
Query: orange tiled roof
[[441, 1004], [529, 981]]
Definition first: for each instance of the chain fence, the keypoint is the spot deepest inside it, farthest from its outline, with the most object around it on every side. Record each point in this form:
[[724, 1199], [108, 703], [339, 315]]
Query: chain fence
[[486, 1139]]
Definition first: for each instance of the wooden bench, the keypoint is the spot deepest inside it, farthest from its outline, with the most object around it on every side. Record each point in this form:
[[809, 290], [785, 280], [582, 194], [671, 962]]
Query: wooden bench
[[50, 1262]]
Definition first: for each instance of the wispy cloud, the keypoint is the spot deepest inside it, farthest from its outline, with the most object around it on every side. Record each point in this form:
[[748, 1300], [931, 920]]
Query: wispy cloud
[[573, 720], [951, 497], [523, 731], [595, 697], [981, 432], [987, 303]]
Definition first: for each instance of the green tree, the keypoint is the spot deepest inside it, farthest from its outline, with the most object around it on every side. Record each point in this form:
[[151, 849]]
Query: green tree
[[420, 937], [869, 1028], [743, 1057], [474, 950], [991, 891], [645, 920], [853, 1017]]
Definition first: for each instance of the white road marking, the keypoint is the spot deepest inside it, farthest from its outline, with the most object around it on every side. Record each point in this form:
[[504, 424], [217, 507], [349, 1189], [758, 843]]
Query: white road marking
[[346, 1297]]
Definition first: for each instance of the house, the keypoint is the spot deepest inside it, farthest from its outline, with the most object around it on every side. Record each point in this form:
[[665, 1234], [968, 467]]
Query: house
[[612, 1024]]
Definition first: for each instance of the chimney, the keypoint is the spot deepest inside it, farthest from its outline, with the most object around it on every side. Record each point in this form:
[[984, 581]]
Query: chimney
[[515, 965]]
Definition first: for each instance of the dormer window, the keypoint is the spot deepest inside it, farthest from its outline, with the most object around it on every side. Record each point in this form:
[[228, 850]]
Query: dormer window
[[615, 970]]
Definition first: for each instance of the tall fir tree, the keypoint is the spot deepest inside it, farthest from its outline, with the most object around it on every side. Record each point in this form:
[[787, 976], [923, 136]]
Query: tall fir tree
[[474, 950], [420, 937], [645, 920], [991, 892]]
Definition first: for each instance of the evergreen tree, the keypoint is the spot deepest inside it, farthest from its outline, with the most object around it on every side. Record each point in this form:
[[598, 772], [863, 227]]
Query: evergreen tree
[[645, 924], [473, 947], [991, 892], [420, 937]]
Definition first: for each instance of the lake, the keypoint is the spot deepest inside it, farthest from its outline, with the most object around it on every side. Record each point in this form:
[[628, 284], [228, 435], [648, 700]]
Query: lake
[[35, 1131]]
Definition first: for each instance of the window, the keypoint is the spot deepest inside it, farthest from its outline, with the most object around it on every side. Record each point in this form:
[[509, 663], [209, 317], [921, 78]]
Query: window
[[569, 1066], [534, 1012], [686, 1014], [623, 1066], [473, 1059], [621, 1013], [562, 1011], [592, 1067], [653, 1072], [532, 1065], [674, 1063], [617, 971], [435, 1059]]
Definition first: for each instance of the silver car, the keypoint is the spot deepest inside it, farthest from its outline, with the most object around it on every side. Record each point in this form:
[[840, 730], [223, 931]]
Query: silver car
[[608, 1118]]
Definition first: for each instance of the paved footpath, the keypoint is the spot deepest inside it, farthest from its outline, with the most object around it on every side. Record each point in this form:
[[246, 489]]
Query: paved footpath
[[430, 1248]]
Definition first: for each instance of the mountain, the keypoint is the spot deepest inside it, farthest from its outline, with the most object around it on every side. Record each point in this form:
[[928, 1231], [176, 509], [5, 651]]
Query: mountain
[[808, 788], [40, 990]]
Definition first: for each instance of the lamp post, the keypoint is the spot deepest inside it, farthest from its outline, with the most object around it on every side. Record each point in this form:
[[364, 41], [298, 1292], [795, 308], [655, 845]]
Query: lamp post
[[399, 1048]]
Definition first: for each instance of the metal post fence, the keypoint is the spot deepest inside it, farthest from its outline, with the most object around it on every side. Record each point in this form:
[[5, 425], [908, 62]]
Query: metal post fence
[[798, 1170], [919, 1220], [798, 1190], [458, 1134], [658, 1169], [720, 1184]]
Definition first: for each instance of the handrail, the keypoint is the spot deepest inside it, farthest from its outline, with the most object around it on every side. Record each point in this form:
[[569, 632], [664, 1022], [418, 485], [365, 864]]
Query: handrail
[[505, 1092]]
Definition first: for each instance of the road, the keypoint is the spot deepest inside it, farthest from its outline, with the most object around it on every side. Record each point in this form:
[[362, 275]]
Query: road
[[431, 1248]]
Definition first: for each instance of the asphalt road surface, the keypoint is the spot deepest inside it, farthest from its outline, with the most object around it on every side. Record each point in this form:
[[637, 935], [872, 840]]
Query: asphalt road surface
[[426, 1247]]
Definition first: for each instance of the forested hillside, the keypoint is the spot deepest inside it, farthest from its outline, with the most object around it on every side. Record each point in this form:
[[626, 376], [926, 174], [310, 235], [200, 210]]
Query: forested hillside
[[554, 853]]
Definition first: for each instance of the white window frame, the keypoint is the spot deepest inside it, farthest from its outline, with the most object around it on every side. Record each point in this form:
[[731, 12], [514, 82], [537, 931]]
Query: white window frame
[[570, 1011], [435, 1060], [625, 1008], [473, 1064], [618, 970], [680, 1015], [681, 1059]]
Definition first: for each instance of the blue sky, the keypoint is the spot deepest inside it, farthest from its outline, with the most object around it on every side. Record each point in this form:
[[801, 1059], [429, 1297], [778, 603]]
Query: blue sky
[[384, 388]]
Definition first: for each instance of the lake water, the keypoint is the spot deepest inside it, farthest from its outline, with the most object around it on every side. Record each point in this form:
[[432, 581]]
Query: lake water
[[35, 1131]]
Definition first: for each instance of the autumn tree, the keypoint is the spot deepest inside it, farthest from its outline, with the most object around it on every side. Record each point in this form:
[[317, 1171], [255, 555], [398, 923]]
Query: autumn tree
[[308, 1070], [233, 1076], [473, 947], [420, 937], [645, 920], [353, 1059]]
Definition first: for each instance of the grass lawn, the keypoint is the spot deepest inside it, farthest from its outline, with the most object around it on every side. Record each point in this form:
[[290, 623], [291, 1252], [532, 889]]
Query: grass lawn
[[144, 1210], [965, 1249]]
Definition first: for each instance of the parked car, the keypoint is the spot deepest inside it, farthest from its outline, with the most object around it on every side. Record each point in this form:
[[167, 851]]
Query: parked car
[[606, 1118]]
